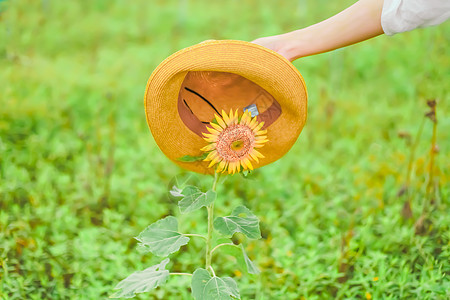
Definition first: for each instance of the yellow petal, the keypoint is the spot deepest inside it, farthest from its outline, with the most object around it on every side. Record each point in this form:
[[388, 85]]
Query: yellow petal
[[225, 168], [214, 161], [210, 140], [209, 135], [257, 153], [209, 147], [261, 132], [252, 155], [237, 167], [220, 121], [226, 118], [236, 117], [257, 128], [230, 167], [259, 144], [245, 118], [248, 164], [216, 127], [211, 155], [231, 115], [261, 137], [221, 166], [253, 123], [233, 167], [212, 130]]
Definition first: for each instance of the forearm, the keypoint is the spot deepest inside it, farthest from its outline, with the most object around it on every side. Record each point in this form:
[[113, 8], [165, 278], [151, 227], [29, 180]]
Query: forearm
[[359, 22]]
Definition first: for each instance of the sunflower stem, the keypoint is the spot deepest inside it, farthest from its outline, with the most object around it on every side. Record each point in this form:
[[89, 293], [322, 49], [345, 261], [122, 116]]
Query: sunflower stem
[[210, 209]]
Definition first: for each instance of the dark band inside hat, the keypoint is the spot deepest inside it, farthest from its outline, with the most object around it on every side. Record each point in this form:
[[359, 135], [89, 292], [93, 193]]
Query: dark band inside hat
[[205, 93]]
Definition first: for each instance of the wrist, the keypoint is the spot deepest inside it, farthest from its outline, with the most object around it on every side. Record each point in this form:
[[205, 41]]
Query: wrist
[[296, 44]]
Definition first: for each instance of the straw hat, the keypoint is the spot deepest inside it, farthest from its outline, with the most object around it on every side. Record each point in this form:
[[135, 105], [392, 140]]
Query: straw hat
[[190, 87]]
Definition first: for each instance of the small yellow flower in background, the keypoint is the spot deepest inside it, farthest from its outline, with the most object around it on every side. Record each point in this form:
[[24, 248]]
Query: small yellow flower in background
[[368, 296], [233, 142], [375, 279]]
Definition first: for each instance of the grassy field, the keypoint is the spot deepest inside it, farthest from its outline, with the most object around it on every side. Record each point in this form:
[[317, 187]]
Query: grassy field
[[80, 174]]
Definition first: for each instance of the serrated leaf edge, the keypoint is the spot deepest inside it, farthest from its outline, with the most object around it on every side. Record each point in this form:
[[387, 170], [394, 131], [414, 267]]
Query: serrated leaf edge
[[118, 289], [248, 261]]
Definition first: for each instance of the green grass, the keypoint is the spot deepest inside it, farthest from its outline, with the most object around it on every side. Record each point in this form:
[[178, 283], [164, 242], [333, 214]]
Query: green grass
[[80, 174]]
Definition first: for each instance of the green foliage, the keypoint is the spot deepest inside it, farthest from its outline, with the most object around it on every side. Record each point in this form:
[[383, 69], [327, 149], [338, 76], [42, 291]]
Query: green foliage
[[241, 220], [80, 174], [206, 287], [251, 267], [162, 238], [142, 281], [189, 158], [193, 198]]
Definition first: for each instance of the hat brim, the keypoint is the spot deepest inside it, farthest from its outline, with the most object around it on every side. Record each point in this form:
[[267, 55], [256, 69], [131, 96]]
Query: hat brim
[[262, 66]]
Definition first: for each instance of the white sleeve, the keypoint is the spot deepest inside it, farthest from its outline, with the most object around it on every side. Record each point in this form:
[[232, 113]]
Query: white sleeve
[[404, 15]]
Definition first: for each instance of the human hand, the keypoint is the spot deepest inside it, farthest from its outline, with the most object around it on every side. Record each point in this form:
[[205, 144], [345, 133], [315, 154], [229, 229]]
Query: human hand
[[278, 43]]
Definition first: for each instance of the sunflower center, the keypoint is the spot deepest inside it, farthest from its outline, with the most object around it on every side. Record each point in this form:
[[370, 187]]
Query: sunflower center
[[237, 145], [235, 142]]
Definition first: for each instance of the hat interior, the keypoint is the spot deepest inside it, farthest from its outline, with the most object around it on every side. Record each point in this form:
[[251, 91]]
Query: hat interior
[[206, 93]]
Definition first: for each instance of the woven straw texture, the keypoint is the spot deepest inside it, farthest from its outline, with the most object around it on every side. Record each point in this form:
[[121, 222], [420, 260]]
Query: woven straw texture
[[264, 67]]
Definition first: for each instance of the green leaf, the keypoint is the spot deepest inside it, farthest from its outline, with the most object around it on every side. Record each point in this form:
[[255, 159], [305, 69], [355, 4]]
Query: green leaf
[[193, 198], [251, 267], [189, 158], [246, 174], [249, 175], [248, 224], [142, 281], [162, 238], [176, 192], [179, 182], [205, 287]]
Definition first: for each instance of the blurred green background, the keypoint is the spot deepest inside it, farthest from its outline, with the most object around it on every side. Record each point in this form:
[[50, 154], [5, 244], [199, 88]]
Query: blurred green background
[[80, 174]]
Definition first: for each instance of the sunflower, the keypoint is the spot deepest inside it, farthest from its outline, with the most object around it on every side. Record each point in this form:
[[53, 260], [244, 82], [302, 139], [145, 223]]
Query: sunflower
[[233, 142]]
